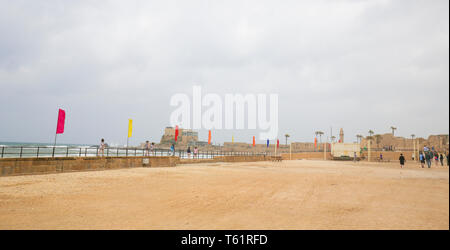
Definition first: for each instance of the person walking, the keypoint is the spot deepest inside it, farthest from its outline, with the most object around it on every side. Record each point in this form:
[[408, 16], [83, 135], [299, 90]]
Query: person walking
[[428, 158], [436, 158], [172, 149], [152, 149], [189, 152], [441, 159], [422, 160], [147, 148], [448, 159], [402, 160], [102, 147], [354, 156], [412, 157], [381, 157]]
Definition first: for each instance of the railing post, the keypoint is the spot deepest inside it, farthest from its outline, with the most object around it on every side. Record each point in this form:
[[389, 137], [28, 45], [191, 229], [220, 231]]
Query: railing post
[[21, 148], [3, 151], [85, 152], [67, 152], [107, 151], [37, 153], [79, 155], [53, 153]]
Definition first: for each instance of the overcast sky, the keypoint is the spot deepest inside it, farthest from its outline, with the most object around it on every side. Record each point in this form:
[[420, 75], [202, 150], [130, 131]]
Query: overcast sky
[[353, 64]]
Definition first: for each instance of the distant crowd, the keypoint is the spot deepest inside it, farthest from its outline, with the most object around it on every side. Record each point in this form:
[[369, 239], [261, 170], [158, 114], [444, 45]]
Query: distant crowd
[[427, 156]]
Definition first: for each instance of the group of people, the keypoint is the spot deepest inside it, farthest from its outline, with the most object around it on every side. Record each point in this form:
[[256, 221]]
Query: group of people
[[188, 151], [149, 149], [427, 156]]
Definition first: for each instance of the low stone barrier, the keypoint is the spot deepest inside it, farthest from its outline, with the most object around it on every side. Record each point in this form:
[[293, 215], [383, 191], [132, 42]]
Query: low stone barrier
[[225, 159], [24, 166], [306, 155], [27, 166]]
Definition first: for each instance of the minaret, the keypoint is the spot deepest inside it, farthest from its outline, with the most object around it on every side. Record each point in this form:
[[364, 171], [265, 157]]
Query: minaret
[[341, 136]]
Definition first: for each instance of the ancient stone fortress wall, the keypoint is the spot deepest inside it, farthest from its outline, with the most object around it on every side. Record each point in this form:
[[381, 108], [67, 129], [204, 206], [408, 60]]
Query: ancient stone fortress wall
[[439, 142]]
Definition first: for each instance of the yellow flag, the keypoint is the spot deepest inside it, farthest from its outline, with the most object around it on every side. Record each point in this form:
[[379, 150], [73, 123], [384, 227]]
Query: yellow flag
[[130, 127], [232, 139]]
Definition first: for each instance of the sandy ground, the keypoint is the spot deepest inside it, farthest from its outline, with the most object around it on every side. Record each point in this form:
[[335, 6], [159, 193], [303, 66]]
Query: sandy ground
[[301, 194]]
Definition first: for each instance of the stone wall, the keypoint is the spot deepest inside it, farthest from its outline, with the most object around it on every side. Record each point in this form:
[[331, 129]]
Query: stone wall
[[306, 155], [225, 159], [24, 166]]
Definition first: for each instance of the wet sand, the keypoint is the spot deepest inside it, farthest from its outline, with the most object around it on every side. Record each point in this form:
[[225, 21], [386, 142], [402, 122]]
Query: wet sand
[[302, 194]]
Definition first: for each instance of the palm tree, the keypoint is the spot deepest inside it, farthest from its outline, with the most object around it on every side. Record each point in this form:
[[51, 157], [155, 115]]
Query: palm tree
[[413, 136], [287, 136], [393, 129], [359, 137], [371, 133], [333, 138]]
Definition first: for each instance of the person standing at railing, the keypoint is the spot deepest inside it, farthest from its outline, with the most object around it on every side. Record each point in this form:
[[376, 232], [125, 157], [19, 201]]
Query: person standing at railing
[[172, 149], [195, 152], [147, 148], [189, 152], [152, 148], [102, 147]]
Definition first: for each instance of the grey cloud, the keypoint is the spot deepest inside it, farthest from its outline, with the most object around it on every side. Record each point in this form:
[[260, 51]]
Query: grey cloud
[[355, 64]]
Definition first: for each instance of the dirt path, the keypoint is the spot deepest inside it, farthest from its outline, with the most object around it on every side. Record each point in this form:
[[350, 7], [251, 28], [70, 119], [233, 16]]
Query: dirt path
[[262, 195]]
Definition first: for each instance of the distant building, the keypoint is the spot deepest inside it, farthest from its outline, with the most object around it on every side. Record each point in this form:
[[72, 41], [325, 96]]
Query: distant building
[[185, 136]]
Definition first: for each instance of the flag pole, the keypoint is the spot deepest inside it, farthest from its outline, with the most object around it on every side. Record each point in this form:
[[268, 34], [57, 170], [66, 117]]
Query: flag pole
[[56, 133]]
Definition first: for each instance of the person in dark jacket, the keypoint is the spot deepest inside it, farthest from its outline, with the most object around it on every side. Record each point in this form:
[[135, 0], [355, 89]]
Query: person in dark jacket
[[441, 159], [428, 157], [402, 160]]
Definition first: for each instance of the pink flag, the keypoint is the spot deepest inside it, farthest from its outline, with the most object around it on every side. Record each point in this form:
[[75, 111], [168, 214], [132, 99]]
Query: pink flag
[[61, 120]]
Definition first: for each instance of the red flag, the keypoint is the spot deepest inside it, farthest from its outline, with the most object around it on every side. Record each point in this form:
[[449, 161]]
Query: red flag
[[209, 137], [254, 142], [176, 133], [278, 143], [61, 120], [315, 142]]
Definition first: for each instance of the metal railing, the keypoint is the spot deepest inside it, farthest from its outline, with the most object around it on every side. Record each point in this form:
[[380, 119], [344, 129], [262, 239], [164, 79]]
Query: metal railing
[[67, 151]]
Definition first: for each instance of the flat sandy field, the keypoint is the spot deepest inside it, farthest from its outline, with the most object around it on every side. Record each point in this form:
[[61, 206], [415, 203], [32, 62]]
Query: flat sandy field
[[302, 194]]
